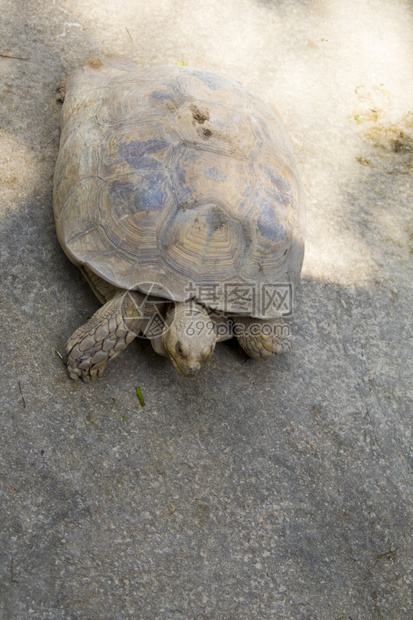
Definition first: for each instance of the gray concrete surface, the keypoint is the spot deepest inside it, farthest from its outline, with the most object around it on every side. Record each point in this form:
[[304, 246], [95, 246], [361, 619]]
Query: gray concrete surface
[[281, 490]]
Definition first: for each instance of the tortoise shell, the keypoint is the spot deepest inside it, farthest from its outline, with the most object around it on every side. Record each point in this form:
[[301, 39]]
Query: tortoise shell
[[170, 179]]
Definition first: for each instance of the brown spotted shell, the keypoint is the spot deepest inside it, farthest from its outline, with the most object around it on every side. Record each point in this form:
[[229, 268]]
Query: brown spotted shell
[[177, 178]]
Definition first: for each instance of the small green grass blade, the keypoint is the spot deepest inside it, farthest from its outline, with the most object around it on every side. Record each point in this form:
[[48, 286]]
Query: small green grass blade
[[140, 396], [59, 356]]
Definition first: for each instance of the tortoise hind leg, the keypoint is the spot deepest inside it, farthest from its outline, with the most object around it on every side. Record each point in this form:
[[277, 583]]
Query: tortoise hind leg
[[104, 336]]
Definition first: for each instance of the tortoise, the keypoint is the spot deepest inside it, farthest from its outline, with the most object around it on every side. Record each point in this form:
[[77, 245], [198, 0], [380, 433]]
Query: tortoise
[[177, 195]]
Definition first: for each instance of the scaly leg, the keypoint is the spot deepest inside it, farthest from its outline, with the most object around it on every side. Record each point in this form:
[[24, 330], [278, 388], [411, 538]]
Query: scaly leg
[[262, 338], [104, 336]]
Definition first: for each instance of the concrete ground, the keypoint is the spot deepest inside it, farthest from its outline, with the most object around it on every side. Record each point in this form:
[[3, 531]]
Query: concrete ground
[[279, 490]]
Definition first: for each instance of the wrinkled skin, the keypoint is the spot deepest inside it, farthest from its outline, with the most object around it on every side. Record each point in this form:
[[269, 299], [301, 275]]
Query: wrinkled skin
[[189, 339]]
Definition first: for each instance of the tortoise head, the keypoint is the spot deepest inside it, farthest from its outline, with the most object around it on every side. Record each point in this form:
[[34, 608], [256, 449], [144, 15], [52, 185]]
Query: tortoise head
[[189, 337]]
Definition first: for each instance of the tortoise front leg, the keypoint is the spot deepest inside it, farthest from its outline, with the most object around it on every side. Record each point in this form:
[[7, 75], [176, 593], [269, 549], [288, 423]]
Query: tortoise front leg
[[104, 336], [262, 338]]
